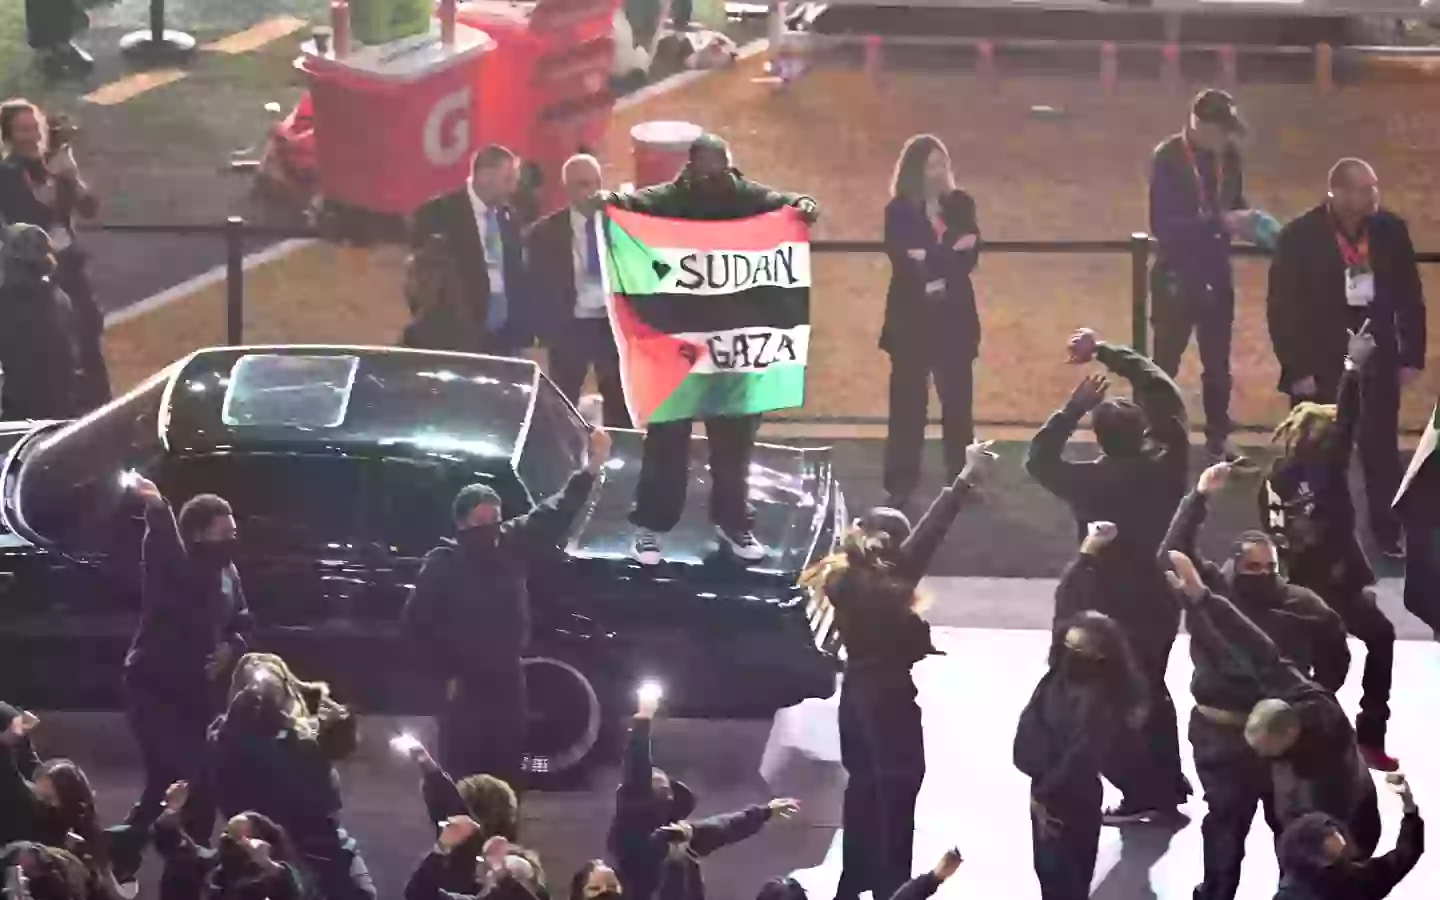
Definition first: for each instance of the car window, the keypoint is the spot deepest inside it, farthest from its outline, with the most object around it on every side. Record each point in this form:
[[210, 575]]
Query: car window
[[554, 445], [69, 489], [284, 504], [412, 502]]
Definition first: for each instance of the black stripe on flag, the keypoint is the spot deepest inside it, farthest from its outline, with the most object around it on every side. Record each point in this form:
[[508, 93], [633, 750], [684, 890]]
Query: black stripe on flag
[[759, 307]]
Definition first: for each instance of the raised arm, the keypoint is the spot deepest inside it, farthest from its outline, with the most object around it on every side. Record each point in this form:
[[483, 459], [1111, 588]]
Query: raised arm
[[1333, 487], [718, 832], [920, 545], [1045, 459], [1155, 392], [1184, 533], [761, 198], [543, 528], [1079, 587], [162, 552]]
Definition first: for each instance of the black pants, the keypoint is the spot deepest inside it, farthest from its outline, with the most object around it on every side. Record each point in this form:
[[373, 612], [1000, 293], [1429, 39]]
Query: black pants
[[910, 376], [584, 343], [72, 278], [1145, 766], [1179, 309], [665, 473], [882, 747], [1065, 853], [482, 726], [170, 728], [1368, 623], [52, 22], [1377, 440], [1234, 780]]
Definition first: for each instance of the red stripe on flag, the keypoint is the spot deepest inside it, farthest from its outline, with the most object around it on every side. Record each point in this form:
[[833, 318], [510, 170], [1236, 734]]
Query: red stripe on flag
[[652, 363], [761, 232]]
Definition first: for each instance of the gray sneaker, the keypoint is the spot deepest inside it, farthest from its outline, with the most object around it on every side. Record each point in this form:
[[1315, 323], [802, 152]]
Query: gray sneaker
[[647, 548], [742, 544]]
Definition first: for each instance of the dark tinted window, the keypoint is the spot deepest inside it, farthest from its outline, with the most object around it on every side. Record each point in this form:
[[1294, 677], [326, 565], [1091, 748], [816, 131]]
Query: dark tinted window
[[284, 504], [413, 499], [69, 489], [554, 446]]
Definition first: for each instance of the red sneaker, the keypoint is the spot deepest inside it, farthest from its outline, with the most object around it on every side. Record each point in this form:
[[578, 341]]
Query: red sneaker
[[1378, 759]]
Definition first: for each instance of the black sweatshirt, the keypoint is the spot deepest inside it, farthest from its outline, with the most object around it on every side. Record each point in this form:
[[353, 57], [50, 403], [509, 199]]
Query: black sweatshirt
[[193, 872], [684, 199], [881, 630], [1311, 508], [1329, 775], [1306, 877], [644, 862], [1307, 632], [470, 611], [187, 611], [39, 351]]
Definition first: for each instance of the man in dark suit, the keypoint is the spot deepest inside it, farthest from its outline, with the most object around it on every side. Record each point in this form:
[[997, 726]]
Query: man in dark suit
[[483, 233], [1197, 201], [568, 297], [1343, 263]]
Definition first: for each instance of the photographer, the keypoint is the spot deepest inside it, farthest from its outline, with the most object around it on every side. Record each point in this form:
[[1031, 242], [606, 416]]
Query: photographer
[[40, 184]]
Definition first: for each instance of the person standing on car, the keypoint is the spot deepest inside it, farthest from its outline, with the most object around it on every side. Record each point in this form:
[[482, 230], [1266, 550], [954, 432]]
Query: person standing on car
[[483, 234], [193, 622], [38, 352], [872, 582], [40, 184], [469, 617], [709, 188], [932, 329], [1344, 263], [1197, 203], [1136, 482], [568, 295]]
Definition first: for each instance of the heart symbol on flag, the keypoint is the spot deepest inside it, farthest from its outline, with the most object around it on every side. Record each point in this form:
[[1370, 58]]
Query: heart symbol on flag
[[661, 269]]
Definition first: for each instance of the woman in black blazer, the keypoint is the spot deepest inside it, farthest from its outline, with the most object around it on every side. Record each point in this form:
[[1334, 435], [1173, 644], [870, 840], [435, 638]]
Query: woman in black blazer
[[931, 328]]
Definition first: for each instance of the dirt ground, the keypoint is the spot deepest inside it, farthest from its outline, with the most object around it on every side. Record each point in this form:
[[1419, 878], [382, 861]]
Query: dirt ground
[[835, 134]]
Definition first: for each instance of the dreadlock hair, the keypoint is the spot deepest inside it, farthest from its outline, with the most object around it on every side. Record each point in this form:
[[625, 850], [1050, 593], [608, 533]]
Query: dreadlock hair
[[865, 563], [1303, 433], [303, 703], [492, 803]]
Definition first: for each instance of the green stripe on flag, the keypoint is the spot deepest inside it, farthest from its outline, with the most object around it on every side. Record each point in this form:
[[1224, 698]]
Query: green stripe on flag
[[631, 268], [734, 394]]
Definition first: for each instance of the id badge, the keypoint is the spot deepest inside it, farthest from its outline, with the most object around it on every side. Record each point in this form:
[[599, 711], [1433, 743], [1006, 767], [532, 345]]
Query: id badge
[[1359, 286]]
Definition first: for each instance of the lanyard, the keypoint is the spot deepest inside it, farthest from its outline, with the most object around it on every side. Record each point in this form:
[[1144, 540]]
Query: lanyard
[[1356, 255], [1202, 189]]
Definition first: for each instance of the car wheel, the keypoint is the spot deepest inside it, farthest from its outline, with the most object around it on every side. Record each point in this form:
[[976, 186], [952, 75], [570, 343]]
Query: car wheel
[[564, 725]]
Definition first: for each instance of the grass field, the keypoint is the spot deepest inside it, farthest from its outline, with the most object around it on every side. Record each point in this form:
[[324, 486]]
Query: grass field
[[835, 135]]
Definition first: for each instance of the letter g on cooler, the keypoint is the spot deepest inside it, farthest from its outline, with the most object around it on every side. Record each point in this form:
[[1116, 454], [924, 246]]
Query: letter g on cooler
[[446, 136]]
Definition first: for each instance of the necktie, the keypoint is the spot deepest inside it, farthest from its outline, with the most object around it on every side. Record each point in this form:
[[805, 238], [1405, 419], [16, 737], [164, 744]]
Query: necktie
[[592, 249], [497, 311]]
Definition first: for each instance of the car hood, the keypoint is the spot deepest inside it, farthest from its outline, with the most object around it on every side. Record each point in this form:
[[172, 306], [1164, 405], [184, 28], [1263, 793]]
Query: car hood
[[792, 491]]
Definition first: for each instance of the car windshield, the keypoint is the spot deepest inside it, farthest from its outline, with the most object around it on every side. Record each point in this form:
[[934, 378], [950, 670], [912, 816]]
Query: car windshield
[[70, 487]]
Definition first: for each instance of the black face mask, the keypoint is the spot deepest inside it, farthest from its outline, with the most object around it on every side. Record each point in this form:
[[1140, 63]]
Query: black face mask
[[480, 538], [233, 854], [1082, 668], [607, 895], [213, 555], [1257, 589]]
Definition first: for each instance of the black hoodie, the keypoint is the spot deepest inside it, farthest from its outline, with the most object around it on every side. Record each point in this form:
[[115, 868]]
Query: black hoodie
[[1307, 875], [647, 864], [193, 872], [1306, 631]]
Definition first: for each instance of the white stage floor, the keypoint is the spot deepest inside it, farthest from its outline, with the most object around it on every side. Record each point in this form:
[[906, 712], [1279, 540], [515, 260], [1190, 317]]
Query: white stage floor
[[975, 799]]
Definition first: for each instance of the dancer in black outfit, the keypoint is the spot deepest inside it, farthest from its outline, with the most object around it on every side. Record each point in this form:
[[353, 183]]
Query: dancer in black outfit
[[1306, 500], [871, 583], [1093, 692], [1308, 633]]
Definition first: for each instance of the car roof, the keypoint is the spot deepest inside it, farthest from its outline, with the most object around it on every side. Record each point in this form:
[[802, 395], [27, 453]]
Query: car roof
[[353, 400]]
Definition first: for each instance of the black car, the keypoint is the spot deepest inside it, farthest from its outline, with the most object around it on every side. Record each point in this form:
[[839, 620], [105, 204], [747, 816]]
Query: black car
[[341, 464]]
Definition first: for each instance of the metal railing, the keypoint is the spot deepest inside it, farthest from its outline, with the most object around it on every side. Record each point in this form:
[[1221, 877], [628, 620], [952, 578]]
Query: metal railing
[[237, 235]]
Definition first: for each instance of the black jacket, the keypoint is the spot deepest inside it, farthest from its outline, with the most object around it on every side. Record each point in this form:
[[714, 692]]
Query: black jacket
[[453, 217], [1305, 876], [1306, 305], [1323, 771], [442, 802], [193, 872], [470, 611], [877, 622], [1310, 509], [947, 322], [186, 611], [1308, 633], [644, 861], [550, 259], [39, 351], [427, 881], [1192, 241], [681, 199]]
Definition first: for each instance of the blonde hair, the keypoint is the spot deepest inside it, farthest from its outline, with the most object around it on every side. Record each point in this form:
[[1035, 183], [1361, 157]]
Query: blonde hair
[[866, 556], [298, 696], [1303, 430]]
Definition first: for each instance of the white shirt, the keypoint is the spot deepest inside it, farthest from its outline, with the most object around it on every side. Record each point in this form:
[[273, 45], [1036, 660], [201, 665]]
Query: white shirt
[[589, 289], [494, 249]]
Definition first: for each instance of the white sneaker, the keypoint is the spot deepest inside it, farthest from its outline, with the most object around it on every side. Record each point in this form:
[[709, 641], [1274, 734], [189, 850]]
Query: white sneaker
[[742, 544], [647, 548]]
